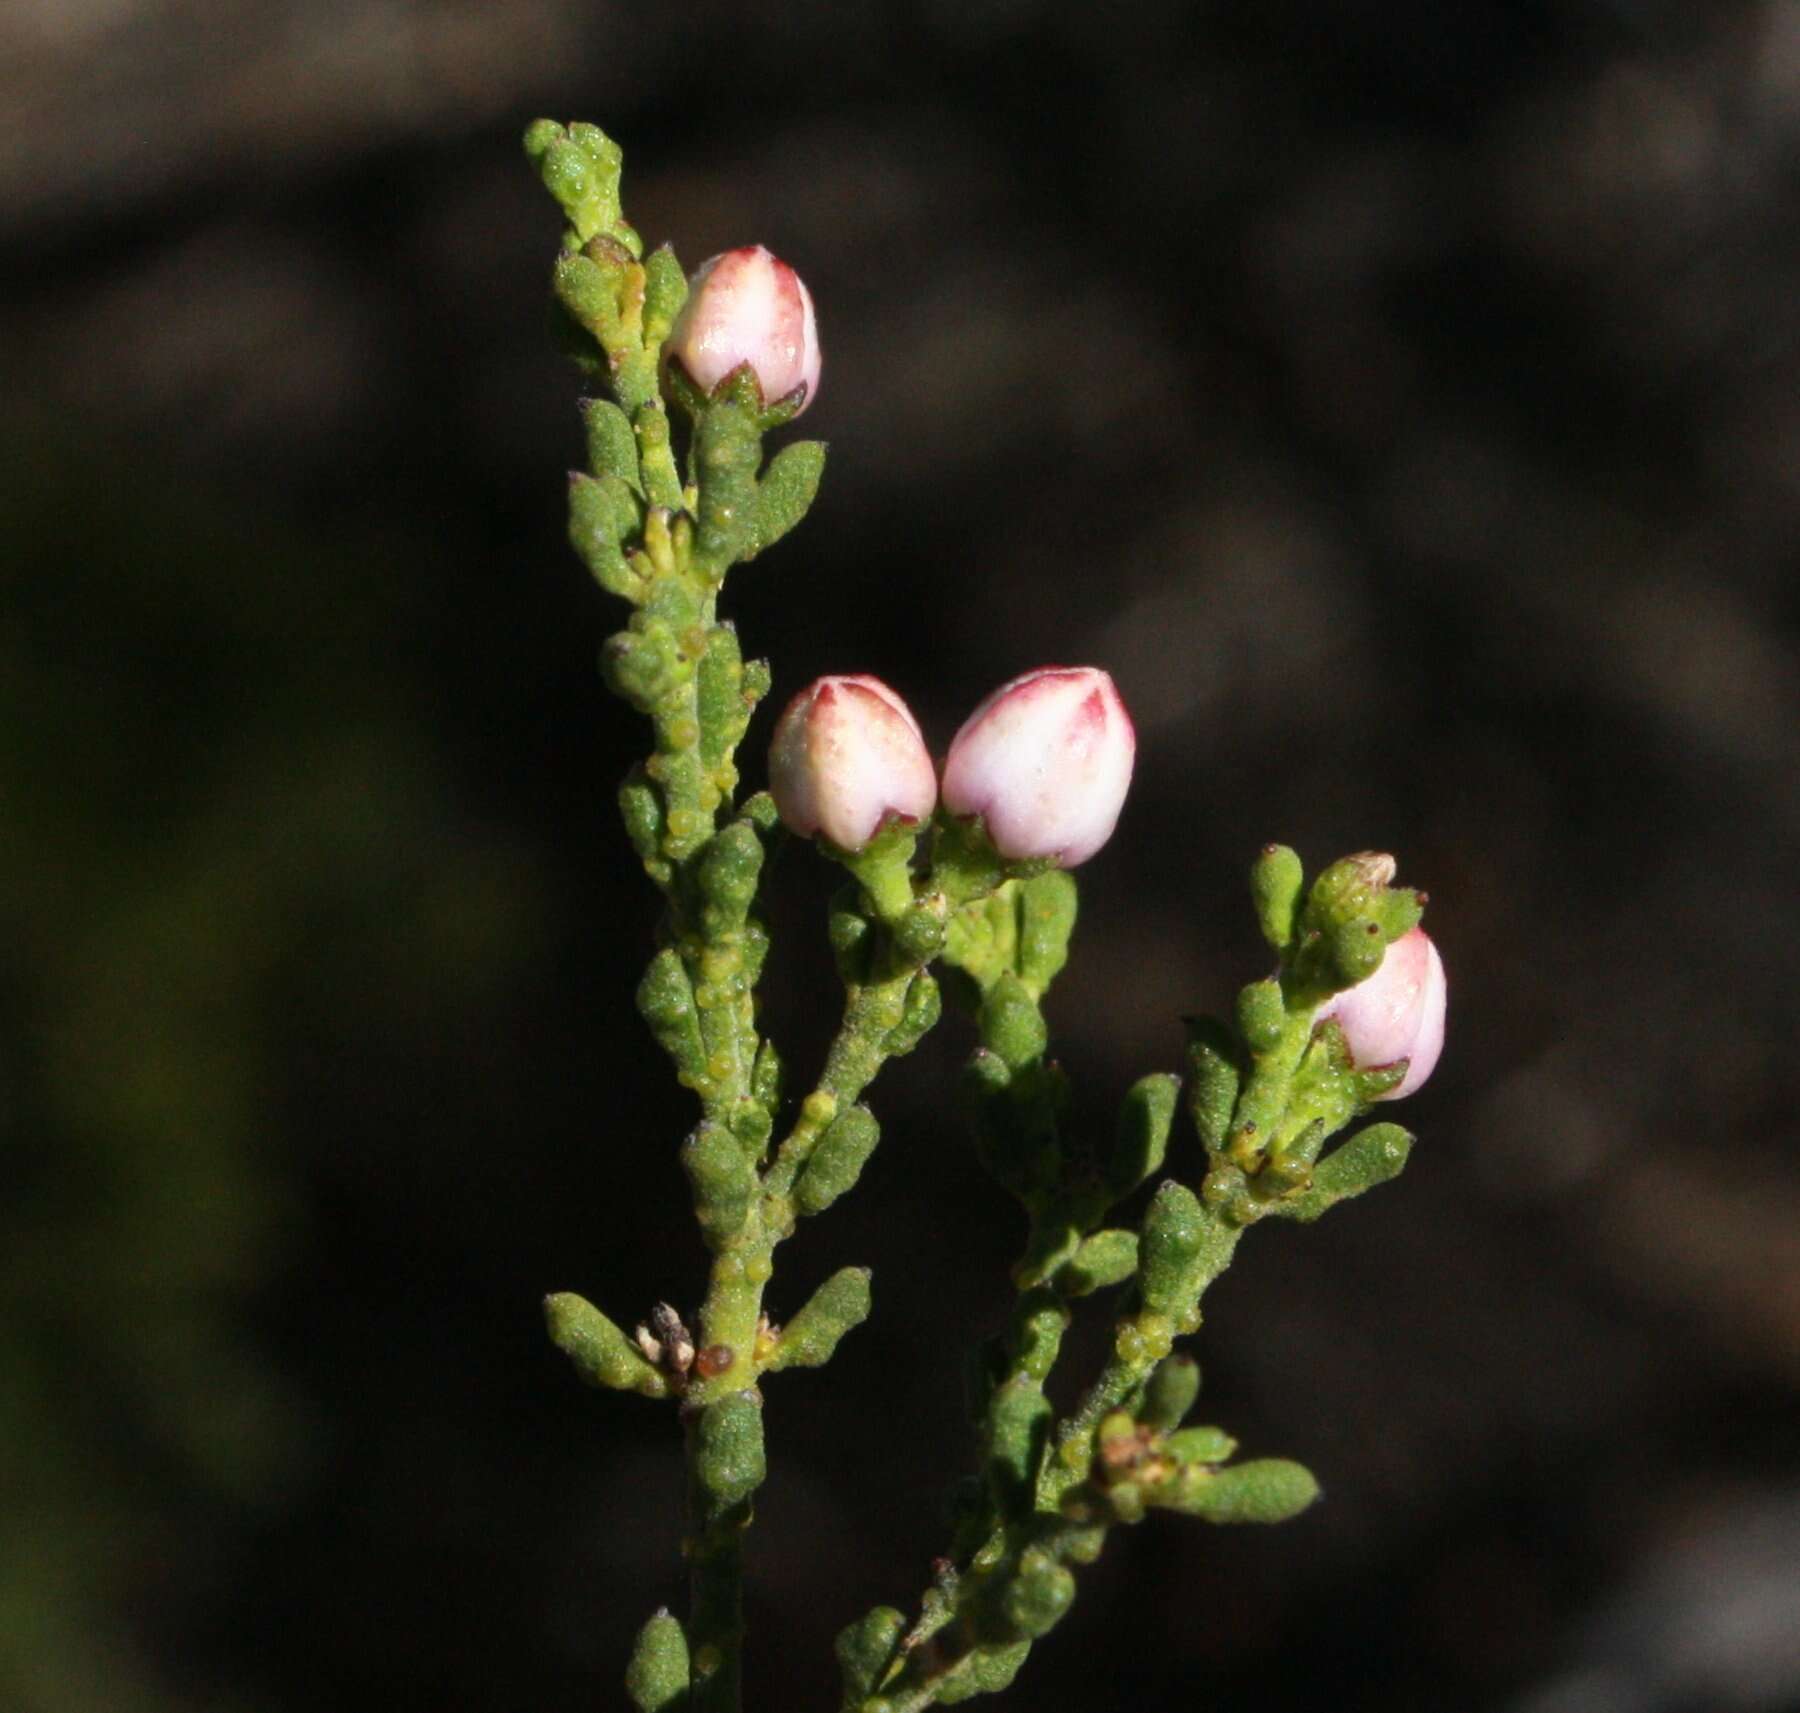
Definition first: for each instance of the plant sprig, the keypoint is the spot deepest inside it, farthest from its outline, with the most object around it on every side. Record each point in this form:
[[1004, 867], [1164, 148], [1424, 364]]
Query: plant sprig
[[971, 880], [1262, 1100]]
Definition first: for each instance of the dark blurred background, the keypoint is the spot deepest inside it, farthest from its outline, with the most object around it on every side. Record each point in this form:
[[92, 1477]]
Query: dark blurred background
[[1401, 401]]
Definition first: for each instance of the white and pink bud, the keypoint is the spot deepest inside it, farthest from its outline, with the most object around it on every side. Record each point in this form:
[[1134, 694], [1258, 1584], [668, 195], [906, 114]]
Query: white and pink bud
[[748, 306], [1046, 760], [846, 756], [1397, 1013]]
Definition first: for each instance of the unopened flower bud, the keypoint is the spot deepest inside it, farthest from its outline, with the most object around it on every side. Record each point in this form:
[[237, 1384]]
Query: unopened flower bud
[[1397, 1013], [748, 306], [847, 754], [1046, 760]]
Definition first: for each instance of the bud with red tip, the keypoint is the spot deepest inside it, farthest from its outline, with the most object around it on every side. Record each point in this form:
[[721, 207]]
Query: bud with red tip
[[846, 756], [1397, 1013], [1046, 760], [748, 306]]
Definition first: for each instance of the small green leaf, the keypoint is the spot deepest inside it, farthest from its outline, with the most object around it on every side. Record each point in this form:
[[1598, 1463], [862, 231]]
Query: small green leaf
[[1125, 1501], [589, 291], [1142, 1139], [1174, 1241], [1011, 1024], [729, 1462], [1047, 904], [540, 134], [1213, 1090], [1200, 1445], [759, 807], [835, 1308], [1268, 1490], [981, 937], [650, 425], [1398, 909], [837, 1159], [642, 666], [1040, 1322], [726, 877], [569, 177], [607, 161], [672, 601], [1018, 1427], [786, 492], [1170, 1392], [1017, 1123], [1055, 1237], [852, 935], [641, 810], [665, 291], [919, 1015], [581, 168], [1348, 890], [1357, 948], [719, 696], [919, 928], [666, 1000], [603, 519], [657, 1677], [1106, 1258], [1039, 1595], [767, 1076], [722, 1178], [752, 1125], [1350, 916], [985, 1076], [611, 445], [865, 1650], [1262, 1015], [1276, 881], [1372, 1156], [727, 447], [602, 1354]]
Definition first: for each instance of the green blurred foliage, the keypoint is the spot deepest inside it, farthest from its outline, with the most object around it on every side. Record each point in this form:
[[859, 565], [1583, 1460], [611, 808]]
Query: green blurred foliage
[[216, 819]]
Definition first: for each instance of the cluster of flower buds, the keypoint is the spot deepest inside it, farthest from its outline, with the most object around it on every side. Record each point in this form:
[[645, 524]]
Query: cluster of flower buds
[[1045, 760], [748, 307], [1396, 1013]]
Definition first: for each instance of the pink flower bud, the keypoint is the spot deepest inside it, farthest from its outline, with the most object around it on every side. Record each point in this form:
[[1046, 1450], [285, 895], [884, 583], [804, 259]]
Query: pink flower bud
[[748, 306], [1397, 1013], [1047, 760], [846, 755]]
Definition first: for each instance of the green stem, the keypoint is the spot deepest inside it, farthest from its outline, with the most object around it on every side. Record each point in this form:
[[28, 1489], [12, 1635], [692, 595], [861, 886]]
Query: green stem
[[1066, 1466], [857, 1053], [715, 1624], [720, 1489], [722, 1414], [678, 665]]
